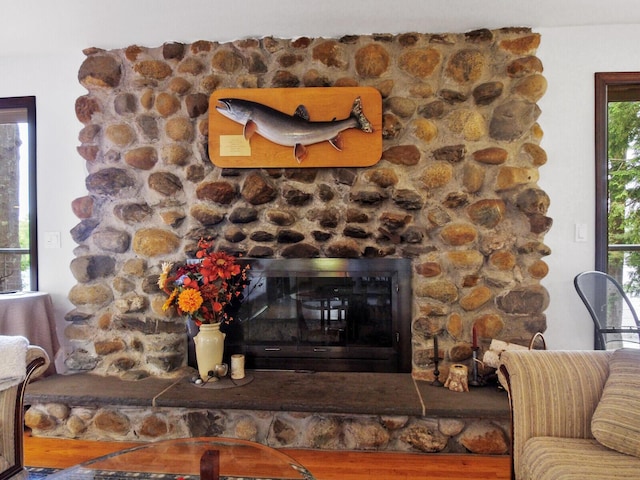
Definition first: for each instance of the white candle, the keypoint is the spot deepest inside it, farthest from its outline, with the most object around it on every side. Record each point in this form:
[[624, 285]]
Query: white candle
[[237, 366]]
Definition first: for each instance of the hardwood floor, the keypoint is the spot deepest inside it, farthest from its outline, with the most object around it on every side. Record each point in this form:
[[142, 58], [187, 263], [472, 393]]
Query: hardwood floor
[[325, 465]]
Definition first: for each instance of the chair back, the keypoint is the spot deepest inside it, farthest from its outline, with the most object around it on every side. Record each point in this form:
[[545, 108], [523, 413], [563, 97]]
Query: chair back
[[612, 312]]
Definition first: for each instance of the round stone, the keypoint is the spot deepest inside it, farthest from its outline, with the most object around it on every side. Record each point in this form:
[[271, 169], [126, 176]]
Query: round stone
[[372, 61], [153, 242]]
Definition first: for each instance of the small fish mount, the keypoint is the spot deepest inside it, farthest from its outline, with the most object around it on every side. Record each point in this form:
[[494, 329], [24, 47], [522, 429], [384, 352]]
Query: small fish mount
[[295, 127]]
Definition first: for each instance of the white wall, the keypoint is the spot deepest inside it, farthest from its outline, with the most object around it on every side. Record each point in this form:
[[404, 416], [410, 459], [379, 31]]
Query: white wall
[[570, 56]]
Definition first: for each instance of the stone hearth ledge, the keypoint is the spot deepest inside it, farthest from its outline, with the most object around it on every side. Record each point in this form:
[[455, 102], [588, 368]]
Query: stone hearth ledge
[[293, 394]]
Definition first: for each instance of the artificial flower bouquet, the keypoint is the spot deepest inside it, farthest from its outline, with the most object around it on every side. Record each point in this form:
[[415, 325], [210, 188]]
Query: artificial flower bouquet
[[202, 288]]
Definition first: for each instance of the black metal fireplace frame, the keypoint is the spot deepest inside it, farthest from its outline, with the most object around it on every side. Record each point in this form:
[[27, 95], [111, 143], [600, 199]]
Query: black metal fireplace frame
[[396, 358]]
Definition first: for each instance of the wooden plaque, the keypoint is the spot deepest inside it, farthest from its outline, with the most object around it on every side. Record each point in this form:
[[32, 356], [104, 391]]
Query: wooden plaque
[[228, 147]]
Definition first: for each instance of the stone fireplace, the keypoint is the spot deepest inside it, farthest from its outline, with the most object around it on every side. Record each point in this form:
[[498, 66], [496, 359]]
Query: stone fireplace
[[454, 193]]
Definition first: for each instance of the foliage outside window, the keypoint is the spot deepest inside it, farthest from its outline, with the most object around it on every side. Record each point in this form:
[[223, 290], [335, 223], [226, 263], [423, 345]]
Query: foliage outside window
[[18, 245]]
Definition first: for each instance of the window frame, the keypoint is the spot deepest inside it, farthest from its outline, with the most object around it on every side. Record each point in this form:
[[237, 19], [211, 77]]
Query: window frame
[[29, 104]]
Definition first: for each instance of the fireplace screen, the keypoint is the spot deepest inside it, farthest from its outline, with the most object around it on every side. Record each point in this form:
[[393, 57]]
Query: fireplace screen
[[325, 315]]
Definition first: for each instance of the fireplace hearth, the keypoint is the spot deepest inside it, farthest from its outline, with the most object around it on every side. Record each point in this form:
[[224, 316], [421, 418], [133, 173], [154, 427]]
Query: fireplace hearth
[[325, 314]]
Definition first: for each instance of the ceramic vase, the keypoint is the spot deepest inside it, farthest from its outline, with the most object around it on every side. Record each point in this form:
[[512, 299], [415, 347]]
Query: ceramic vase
[[209, 343]]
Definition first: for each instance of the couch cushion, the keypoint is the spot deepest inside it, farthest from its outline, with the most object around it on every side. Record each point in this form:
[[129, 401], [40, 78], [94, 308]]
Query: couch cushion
[[616, 421], [553, 458]]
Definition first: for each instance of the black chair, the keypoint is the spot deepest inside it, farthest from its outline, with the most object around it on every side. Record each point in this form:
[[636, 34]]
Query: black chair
[[608, 305]]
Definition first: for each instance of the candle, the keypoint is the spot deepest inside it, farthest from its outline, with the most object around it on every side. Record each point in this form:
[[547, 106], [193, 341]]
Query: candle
[[475, 337], [436, 353]]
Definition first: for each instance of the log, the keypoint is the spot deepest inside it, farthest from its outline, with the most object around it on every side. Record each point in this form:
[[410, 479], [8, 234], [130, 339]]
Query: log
[[491, 357]]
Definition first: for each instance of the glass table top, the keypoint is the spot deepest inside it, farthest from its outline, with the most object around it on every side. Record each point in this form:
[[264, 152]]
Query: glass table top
[[175, 459]]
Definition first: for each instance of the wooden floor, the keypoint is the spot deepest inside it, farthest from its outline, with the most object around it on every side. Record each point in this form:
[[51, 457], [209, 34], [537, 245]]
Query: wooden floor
[[62, 453]]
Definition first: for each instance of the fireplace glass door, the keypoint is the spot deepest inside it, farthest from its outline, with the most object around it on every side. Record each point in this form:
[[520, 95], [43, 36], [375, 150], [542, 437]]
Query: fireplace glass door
[[300, 316]]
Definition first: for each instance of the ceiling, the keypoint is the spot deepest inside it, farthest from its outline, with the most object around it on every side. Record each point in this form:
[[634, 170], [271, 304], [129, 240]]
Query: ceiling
[[34, 26]]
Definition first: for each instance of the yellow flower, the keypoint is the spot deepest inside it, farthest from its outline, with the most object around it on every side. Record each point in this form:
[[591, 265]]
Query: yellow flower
[[167, 305], [189, 300], [162, 279]]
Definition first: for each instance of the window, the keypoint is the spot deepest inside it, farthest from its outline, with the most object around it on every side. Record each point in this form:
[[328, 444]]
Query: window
[[18, 221]]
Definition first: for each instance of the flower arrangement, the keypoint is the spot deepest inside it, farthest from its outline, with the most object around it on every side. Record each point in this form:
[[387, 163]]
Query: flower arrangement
[[203, 288]]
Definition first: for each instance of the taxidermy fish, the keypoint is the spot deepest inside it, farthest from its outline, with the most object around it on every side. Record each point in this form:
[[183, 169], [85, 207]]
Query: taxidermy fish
[[295, 130]]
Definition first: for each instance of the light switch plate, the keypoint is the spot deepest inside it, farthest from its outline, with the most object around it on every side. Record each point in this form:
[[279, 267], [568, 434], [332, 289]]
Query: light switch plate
[[51, 239]]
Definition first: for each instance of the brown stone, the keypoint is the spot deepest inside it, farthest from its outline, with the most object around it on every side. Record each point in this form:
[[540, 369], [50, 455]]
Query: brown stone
[[534, 153], [487, 213], [347, 248], [155, 69], [167, 104], [424, 437], [401, 106], [219, 192], [503, 260], [143, 158], [466, 66], [94, 294], [153, 242], [524, 66], [173, 51], [512, 177], [331, 54], [486, 93], [92, 267], [109, 346], [285, 79], [89, 133], [120, 134], [165, 183], [258, 190], [477, 297], [86, 106], [197, 104], [465, 259], [39, 420], [227, 61], [112, 422], [450, 153], [538, 269], [109, 181], [512, 119], [428, 269], [473, 177], [454, 325], [100, 71], [180, 129], [89, 152], [206, 216], [191, 66], [301, 250], [457, 234], [173, 218], [468, 123], [175, 154], [491, 155], [441, 290], [484, 438], [402, 155], [424, 129], [180, 85], [436, 175], [525, 300], [533, 201], [132, 212], [521, 45], [539, 223], [532, 87], [420, 63], [372, 61], [488, 325], [82, 207], [383, 177]]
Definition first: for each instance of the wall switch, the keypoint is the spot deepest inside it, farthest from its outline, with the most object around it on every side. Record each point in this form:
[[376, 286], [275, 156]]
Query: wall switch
[[580, 232], [51, 239]]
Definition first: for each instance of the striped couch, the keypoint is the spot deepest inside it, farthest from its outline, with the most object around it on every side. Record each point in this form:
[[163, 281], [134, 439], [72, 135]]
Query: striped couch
[[566, 406], [29, 363]]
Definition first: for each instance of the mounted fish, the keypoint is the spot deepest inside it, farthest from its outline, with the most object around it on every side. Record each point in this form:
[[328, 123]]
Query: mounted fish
[[330, 127]]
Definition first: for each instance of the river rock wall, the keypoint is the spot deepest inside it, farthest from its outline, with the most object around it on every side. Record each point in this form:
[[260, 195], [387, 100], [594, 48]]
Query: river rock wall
[[455, 189]]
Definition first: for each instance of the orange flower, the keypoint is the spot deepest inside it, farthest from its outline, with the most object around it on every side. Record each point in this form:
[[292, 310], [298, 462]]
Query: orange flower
[[189, 300]]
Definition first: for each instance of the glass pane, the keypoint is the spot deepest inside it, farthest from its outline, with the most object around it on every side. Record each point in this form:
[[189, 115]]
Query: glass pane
[[618, 312], [14, 200]]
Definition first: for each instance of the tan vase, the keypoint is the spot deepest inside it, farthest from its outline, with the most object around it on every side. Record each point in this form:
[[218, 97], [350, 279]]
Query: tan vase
[[209, 344]]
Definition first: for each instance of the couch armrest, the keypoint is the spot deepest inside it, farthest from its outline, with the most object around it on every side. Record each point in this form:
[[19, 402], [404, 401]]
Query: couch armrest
[[552, 393], [12, 415]]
